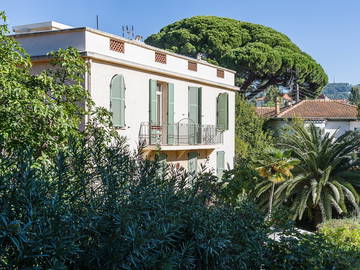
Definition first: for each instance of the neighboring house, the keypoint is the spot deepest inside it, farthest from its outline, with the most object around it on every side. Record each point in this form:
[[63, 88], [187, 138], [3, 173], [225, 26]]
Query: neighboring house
[[331, 115], [182, 106]]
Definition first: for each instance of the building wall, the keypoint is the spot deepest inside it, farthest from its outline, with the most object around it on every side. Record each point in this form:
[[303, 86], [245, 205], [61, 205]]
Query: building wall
[[136, 55], [331, 126], [340, 127], [90, 40], [137, 51], [354, 125], [137, 105], [41, 44]]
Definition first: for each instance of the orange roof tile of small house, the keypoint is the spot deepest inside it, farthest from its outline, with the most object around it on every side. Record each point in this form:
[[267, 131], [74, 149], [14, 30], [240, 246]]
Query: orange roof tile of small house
[[313, 109]]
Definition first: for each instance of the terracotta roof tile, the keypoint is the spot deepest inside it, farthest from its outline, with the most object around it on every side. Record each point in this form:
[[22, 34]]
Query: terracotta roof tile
[[321, 109], [265, 111]]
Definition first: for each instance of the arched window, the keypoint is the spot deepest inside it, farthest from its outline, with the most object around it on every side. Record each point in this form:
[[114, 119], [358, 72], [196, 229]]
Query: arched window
[[117, 100]]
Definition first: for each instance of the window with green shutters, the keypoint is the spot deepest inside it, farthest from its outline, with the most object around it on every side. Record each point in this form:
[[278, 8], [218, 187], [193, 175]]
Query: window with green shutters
[[163, 118], [117, 100], [222, 111], [192, 162], [220, 163]]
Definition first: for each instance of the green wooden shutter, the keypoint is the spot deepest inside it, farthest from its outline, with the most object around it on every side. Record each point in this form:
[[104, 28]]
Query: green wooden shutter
[[192, 162], [194, 107], [222, 112], [170, 116], [117, 100], [199, 115], [194, 104], [226, 120], [152, 111], [220, 163]]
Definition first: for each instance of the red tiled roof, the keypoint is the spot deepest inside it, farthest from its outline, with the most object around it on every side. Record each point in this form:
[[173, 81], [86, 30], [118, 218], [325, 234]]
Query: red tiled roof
[[313, 109], [320, 108], [265, 111]]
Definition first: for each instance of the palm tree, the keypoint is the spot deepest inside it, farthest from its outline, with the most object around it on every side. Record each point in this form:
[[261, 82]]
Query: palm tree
[[327, 177], [275, 166]]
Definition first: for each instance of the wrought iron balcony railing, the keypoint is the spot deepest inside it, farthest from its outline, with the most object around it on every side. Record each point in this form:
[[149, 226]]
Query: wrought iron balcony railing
[[179, 134]]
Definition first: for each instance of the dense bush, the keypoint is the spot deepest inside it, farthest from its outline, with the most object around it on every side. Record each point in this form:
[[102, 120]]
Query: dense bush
[[103, 207], [250, 136], [342, 232], [99, 207]]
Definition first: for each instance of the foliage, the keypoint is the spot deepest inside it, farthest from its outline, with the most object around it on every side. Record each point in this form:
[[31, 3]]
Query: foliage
[[250, 136], [40, 110], [272, 94], [274, 166], [337, 90], [354, 96], [96, 205], [344, 233], [238, 183], [297, 251], [326, 178], [261, 56]]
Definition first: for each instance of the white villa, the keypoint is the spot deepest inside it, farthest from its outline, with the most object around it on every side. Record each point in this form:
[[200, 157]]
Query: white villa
[[183, 106]]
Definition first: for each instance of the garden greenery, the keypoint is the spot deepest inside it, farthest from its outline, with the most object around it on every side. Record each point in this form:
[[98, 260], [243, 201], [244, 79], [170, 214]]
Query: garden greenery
[[342, 232], [75, 198], [97, 205]]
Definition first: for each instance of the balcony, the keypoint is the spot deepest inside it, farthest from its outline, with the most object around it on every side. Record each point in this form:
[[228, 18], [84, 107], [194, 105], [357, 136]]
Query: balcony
[[179, 134]]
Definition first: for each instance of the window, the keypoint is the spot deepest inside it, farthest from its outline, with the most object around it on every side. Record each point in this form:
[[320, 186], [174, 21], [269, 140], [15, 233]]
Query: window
[[160, 57], [220, 73], [220, 163], [192, 66], [222, 111], [117, 45], [161, 112], [117, 100]]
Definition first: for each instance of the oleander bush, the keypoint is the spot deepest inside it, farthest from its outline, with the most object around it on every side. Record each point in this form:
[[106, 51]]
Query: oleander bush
[[97, 205]]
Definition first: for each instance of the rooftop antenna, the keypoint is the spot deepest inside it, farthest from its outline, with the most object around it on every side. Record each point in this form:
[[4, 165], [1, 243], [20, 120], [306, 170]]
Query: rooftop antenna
[[97, 22], [128, 31]]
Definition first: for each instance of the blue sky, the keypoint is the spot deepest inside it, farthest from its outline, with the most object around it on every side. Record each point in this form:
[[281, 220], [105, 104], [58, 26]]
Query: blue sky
[[327, 30]]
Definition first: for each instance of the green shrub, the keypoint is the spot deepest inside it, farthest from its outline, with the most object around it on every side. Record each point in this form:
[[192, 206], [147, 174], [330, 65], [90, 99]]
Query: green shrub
[[99, 207], [342, 232]]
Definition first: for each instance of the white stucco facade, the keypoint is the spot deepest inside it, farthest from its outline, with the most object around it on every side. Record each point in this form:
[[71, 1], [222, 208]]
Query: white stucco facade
[[331, 126], [137, 65]]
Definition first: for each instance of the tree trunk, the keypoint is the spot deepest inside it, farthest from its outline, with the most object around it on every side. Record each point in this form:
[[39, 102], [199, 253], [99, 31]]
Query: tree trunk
[[317, 216], [271, 200]]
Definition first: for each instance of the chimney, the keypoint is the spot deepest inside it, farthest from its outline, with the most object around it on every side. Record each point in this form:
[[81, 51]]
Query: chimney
[[138, 38], [277, 106]]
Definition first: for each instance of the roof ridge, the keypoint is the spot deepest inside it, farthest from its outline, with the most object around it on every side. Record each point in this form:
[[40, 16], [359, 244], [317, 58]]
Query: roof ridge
[[289, 108]]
